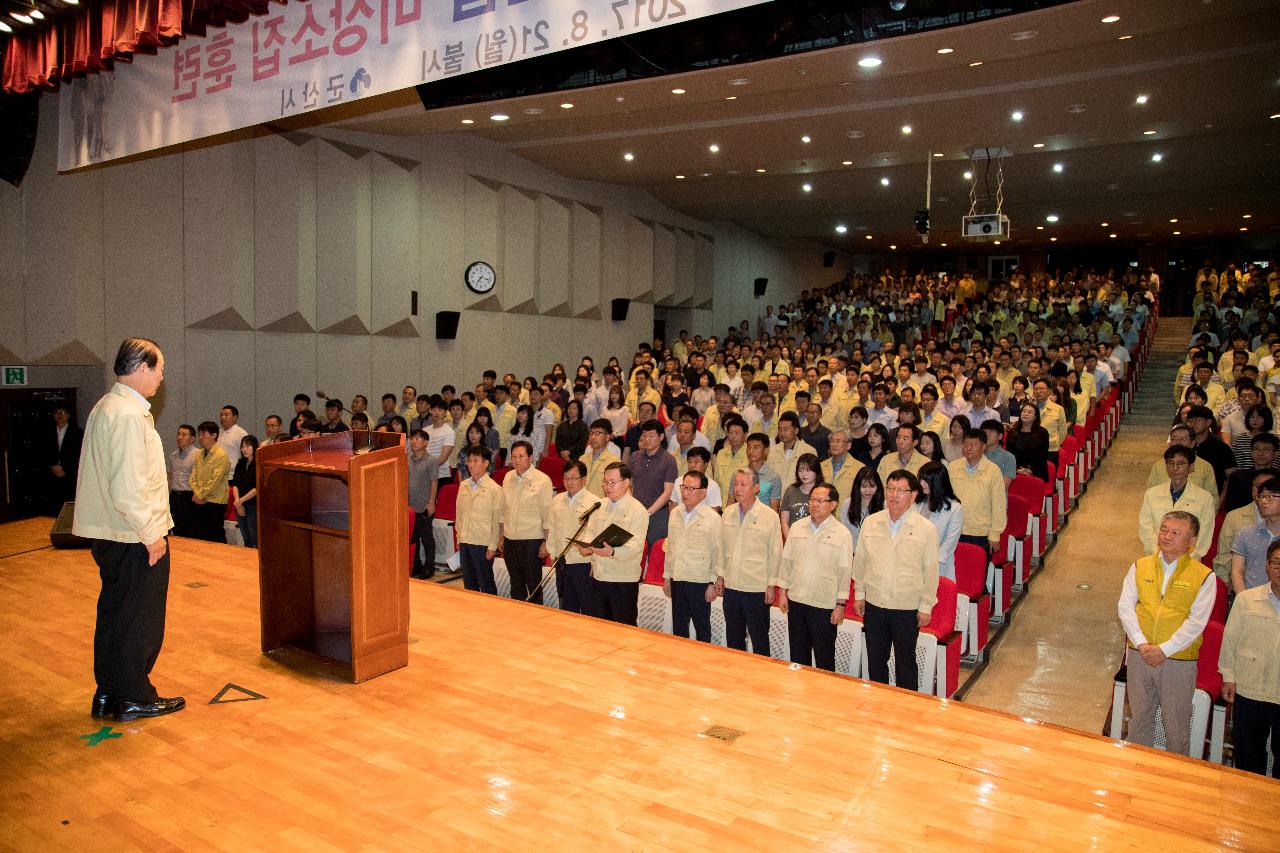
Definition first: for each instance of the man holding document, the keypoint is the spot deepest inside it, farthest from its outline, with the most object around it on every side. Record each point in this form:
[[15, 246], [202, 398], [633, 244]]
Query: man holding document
[[615, 568]]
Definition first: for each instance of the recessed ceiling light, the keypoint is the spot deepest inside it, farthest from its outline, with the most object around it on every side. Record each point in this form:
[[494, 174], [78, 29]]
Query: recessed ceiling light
[[677, 91], [1111, 19], [679, 177], [533, 111], [1112, 236], [1104, 224], [1140, 100], [938, 154], [1016, 115], [1052, 217], [1058, 167], [946, 50], [1274, 115], [892, 246], [628, 156], [884, 182], [996, 243], [5, 28], [868, 236], [841, 229], [1123, 38], [37, 14], [1039, 227], [706, 174], [854, 134], [906, 129], [713, 148], [943, 245], [968, 176], [1157, 157], [761, 171], [739, 81], [1174, 219], [1024, 35], [1053, 239], [1247, 216], [806, 139], [619, 99], [1037, 145], [566, 106], [499, 117], [26, 19], [731, 98], [1076, 109], [869, 62], [1148, 133], [846, 162], [807, 187], [1176, 233], [468, 121], [1244, 228], [975, 64]]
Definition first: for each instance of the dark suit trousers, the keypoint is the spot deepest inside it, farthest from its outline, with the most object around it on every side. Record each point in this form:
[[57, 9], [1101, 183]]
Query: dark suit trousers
[[689, 602], [477, 569], [209, 521], [811, 636], [131, 611], [574, 584], [180, 507], [617, 601], [746, 612], [524, 567], [424, 545], [896, 629]]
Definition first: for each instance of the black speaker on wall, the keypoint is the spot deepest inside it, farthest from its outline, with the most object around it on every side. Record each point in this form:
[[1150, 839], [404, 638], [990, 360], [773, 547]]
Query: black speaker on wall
[[828, 259], [620, 308], [446, 325], [761, 284]]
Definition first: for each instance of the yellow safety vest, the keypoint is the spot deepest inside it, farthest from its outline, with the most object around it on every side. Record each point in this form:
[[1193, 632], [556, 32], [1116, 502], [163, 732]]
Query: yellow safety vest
[[1159, 615]]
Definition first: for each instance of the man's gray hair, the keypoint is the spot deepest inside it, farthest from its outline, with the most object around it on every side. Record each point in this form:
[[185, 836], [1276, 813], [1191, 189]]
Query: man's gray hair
[[134, 353], [1183, 515], [753, 474]]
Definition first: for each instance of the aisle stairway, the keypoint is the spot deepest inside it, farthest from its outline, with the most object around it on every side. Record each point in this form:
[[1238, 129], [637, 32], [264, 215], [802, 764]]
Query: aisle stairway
[[1056, 659]]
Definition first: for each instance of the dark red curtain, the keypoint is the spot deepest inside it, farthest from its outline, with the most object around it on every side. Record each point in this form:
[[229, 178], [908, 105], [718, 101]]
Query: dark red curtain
[[105, 31]]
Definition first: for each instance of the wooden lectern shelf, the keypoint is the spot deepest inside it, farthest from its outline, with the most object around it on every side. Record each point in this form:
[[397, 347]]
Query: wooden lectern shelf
[[332, 531]]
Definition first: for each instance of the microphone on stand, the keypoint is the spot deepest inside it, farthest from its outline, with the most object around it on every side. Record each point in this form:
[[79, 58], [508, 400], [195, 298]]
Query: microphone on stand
[[326, 398], [369, 438], [587, 514]]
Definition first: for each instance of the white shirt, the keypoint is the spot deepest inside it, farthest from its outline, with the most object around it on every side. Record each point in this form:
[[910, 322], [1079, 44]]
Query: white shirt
[[438, 438], [229, 440], [1188, 631]]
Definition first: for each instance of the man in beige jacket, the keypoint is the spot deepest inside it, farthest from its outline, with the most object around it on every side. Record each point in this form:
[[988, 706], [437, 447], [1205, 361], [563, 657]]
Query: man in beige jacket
[[122, 504]]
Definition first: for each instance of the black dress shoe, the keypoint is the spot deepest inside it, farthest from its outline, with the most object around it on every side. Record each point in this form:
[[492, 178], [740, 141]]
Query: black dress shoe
[[126, 710], [102, 703]]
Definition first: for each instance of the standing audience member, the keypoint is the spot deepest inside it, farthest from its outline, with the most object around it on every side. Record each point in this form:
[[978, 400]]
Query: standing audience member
[[937, 502], [1177, 494], [597, 457], [244, 491], [1249, 548], [895, 573], [1164, 604], [693, 559], [1250, 667], [231, 433], [424, 477], [479, 523], [573, 571], [275, 431], [180, 462], [615, 572], [813, 582], [653, 471], [752, 554], [62, 458], [980, 487], [210, 485], [866, 498], [526, 517]]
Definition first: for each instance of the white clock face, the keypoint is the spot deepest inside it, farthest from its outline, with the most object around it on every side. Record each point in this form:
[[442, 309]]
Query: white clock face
[[480, 277]]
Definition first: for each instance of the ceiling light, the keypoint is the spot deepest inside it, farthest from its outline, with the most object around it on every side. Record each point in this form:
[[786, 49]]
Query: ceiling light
[[533, 111], [468, 121], [1058, 167], [975, 64], [884, 182], [1112, 236], [731, 98], [37, 14], [1247, 216], [628, 156], [1140, 100], [1039, 227], [1174, 219], [1148, 133], [677, 91], [892, 246], [1016, 115], [739, 81], [1157, 157], [996, 243], [846, 162], [1274, 115], [1104, 224], [761, 171], [869, 62], [5, 28], [499, 117], [1053, 239], [807, 187], [26, 19], [906, 129], [1025, 35], [946, 50], [968, 176], [1244, 228], [868, 236], [1124, 38], [806, 139], [841, 229], [619, 99], [713, 148], [937, 154], [1052, 217], [706, 174], [1111, 19], [679, 177], [1076, 109], [1176, 233], [1037, 145], [943, 245], [566, 106]]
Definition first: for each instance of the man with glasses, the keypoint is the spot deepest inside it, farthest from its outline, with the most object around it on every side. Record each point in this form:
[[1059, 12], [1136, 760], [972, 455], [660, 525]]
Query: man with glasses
[[615, 572], [1177, 494], [693, 559], [895, 573], [752, 550], [1249, 549], [573, 572], [816, 565]]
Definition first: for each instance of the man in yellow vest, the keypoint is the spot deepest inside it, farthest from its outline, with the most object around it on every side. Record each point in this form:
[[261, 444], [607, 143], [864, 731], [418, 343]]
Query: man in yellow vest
[[1165, 602]]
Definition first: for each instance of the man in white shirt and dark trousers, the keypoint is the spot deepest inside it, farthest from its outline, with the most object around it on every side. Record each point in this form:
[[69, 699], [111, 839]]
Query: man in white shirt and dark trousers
[[615, 572], [573, 572], [526, 515], [1164, 605], [817, 562], [895, 573], [751, 554], [693, 559]]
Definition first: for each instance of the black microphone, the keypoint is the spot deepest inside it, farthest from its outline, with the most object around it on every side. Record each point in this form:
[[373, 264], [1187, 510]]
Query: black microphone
[[587, 514], [325, 397]]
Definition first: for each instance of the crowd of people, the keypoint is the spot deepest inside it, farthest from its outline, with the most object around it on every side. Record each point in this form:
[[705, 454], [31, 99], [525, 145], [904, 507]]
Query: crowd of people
[[859, 433], [1213, 496]]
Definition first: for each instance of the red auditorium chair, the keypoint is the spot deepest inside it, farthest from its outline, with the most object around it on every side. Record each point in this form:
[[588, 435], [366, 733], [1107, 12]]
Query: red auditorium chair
[[1031, 489], [447, 514], [549, 452], [1049, 504], [499, 474], [1220, 608], [1207, 559], [1069, 464], [657, 562], [553, 467], [1015, 545], [973, 602], [946, 674]]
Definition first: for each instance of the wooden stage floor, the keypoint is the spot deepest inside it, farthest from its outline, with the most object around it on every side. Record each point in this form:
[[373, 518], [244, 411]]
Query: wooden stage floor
[[518, 727]]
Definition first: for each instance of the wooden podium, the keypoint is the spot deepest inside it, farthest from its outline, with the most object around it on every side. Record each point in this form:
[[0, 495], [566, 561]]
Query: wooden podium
[[333, 530]]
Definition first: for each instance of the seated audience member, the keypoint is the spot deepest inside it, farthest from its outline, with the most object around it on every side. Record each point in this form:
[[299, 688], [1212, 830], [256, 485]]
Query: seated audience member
[[1177, 494], [1250, 674], [1164, 605]]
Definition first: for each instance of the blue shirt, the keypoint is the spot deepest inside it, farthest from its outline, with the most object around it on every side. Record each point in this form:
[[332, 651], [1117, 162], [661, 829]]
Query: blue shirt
[[770, 485], [1252, 543]]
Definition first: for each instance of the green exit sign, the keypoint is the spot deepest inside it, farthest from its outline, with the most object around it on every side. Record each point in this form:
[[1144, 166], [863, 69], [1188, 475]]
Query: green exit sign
[[15, 375]]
